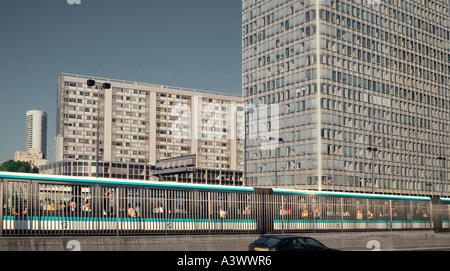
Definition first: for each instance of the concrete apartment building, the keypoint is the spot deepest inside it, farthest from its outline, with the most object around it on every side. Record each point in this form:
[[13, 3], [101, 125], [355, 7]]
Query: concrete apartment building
[[362, 90], [142, 123], [34, 157]]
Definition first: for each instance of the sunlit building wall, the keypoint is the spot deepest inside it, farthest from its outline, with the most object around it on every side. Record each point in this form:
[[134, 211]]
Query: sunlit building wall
[[362, 94]]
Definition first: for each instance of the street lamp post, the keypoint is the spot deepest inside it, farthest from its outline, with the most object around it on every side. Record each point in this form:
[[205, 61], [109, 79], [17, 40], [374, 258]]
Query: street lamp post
[[246, 122], [91, 83], [373, 150], [443, 159], [276, 166]]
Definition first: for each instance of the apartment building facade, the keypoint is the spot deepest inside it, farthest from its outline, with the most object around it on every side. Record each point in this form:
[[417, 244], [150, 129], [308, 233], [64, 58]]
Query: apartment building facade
[[145, 123], [362, 91]]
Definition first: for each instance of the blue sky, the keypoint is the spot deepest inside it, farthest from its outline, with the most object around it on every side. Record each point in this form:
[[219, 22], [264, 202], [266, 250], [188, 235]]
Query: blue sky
[[184, 43]]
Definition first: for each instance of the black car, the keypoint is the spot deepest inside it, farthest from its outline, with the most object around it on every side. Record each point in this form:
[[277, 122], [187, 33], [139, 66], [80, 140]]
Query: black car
[[287, 243]]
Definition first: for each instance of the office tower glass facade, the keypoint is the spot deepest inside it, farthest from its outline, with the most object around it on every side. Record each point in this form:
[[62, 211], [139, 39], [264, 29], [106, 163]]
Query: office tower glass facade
[[363, 92]]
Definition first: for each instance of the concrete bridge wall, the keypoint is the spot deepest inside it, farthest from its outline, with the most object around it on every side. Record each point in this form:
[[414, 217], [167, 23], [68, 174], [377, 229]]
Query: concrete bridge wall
[[354, 241]]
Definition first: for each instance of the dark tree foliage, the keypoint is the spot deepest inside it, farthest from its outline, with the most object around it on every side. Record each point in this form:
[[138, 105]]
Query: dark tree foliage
[[22, 167]]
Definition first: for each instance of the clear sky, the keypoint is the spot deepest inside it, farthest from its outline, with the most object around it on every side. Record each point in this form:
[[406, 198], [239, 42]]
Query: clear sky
[[184, 43]]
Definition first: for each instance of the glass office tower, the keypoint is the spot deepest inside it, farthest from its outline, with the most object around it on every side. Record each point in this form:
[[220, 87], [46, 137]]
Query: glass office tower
[[362, 93]]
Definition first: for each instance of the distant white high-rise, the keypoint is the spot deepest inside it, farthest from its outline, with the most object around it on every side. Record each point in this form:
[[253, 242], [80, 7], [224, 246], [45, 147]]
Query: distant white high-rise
[[37, 131]]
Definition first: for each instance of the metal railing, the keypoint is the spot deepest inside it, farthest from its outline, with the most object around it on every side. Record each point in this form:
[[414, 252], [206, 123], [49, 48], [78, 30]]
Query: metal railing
[[64, 210], [30, 208]]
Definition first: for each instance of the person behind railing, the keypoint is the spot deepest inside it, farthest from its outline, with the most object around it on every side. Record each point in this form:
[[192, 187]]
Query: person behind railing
[[73, 206], [110, 203], [219, 213], [63, 208], [104, 207], [247, 211], [222, 213], [359, 215], [137, 209], [369, 215], [158, 209], [51, 208], [41, 206], [317, 212], [87, 206], [330, 212], [288, 210], [305, 213], [131, 212], [16, 211], [282, 211], [394, 212], [24, 212], [380, 214], [416, 215]]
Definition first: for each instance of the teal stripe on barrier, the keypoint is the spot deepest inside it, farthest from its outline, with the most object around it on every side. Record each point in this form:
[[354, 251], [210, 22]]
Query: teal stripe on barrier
[[122, 219], [349, 221], [197, 220], [329, 221], [121, 182], [343, 194]]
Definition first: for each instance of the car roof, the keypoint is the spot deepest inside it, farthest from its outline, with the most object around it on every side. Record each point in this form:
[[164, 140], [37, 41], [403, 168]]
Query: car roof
[[284, 236]]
